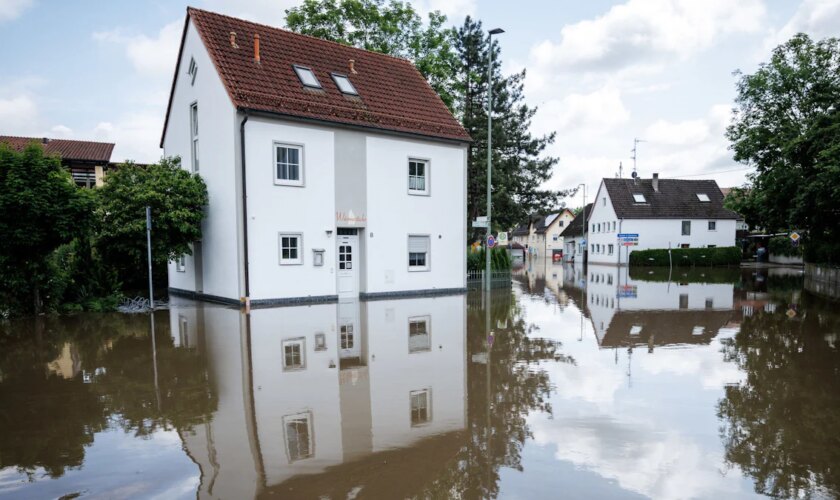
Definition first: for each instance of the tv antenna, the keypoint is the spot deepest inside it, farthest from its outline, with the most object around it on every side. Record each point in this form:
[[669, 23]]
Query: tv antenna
[[636, 142], [620, 170]]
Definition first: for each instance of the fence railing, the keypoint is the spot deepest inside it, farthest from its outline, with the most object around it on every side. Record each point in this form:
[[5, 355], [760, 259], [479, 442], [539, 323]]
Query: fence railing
[[823, 280], [498, 279]]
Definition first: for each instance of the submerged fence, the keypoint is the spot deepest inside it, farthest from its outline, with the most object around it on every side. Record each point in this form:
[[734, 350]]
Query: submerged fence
[[498, 279], [823, 280]]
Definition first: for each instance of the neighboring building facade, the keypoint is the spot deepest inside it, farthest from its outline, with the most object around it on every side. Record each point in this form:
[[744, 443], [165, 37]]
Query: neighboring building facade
[[86, 160], [574, 237], [331, 171], [665, 213], [520, 234], [553, 227]]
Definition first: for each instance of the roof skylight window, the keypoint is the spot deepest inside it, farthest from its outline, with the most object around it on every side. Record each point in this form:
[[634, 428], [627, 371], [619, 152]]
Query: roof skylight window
[[703, 197], [639, 198], [307, 77], [344, 84]]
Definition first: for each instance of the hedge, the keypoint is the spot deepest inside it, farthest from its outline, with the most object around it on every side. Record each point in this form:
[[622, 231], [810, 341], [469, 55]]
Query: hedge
[[781, 245], [719, 256], [686, 274], [499, 260]]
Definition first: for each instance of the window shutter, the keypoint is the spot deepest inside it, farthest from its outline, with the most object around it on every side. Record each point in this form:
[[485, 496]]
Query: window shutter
[[418, 244]]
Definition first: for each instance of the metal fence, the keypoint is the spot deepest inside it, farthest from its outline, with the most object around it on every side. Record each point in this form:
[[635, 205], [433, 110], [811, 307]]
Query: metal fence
[[823, 280], [498, 279]]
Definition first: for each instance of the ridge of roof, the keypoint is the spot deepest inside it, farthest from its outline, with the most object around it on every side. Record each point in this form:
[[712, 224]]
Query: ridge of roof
[[674, 198], [69, 149]]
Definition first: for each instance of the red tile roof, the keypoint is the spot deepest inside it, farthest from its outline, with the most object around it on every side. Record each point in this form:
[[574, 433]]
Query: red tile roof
[[67, 149], [393, 95]]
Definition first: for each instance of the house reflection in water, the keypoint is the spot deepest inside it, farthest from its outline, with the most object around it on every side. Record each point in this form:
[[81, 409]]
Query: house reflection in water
[[627, 312], [305, 389]]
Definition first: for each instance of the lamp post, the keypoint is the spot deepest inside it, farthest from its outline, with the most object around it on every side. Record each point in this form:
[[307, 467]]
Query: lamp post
[[583, 229], [496, 31]]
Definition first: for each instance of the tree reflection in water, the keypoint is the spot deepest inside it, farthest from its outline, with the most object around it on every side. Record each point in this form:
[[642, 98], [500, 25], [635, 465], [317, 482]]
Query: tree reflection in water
[[50, 414], [782, 425], [505, 383]]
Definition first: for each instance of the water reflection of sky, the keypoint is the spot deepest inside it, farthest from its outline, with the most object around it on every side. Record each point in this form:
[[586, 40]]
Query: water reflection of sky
[[642, 422]]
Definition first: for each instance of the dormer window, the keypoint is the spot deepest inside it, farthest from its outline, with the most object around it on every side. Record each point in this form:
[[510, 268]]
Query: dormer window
[[192, 71], [307, 77], [639, 198], [344, 84], [703, 197]]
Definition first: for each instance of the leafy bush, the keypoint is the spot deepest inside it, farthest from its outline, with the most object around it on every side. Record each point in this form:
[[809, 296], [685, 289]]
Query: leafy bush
[[781, 245], [499, 260], [721, 256]]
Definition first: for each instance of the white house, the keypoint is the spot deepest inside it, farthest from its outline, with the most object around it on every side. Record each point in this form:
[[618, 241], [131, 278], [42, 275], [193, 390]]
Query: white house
[[551, 227], [331, 171], [574, 237], [665, 213]]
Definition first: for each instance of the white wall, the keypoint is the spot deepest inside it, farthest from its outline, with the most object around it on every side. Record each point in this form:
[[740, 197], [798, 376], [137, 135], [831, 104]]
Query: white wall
[[554, 230], [653, 233], [217, 155], [393, 214], [273, 209]]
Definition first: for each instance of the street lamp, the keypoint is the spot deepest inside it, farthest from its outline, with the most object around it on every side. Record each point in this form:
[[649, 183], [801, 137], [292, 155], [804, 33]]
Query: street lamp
[[583, 233], [496, 31]]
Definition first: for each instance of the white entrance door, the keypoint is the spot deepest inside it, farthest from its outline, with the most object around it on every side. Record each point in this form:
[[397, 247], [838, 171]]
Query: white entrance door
[[348, 265], [349, 329]]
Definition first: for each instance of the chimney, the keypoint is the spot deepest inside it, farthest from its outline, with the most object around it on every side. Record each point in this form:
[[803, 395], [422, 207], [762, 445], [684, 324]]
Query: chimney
[[233, 40], [353, 66], [655, 182], [257, 48], [45, 140]]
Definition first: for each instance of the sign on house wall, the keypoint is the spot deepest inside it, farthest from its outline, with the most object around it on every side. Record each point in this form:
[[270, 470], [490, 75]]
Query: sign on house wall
[[628, 239], [350, 218]]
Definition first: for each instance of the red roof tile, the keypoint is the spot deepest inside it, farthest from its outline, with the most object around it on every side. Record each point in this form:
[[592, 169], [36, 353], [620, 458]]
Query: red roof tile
[[393, 95], [67, 149]]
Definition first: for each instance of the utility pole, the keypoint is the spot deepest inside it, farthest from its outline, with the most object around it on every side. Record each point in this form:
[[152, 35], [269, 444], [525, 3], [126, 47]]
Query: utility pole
[[492, 32], [149, 251]]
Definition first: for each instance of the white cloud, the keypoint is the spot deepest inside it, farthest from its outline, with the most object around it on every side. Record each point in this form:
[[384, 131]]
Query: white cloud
[[601, 109], [61, 131], [647, 30], [136, 136], [455, 10], [818, 18], [151, 56], [18, 115], [677, 133], [12, 9], [271, 12]]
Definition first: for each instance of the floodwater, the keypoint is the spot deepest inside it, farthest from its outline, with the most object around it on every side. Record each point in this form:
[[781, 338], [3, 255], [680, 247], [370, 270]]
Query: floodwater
[[604, 384]]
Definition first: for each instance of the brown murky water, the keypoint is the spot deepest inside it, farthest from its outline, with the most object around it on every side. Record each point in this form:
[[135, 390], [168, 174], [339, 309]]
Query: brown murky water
[[700, 384]]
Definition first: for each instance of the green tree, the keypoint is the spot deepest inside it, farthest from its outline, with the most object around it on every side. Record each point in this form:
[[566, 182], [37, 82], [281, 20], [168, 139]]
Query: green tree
[[391, 27], [177, 198], [786, 125], [40, 209]]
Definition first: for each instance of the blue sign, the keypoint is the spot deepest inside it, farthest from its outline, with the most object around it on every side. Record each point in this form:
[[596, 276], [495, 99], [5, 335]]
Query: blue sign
[[628, 235], [491, 241]]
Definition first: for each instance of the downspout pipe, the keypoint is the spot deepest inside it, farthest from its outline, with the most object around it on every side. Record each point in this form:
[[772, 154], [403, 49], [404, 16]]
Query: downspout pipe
[[245, 208]]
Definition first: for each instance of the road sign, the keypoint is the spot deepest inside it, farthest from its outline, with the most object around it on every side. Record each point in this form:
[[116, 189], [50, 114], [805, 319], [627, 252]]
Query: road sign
[[502, 238], [794, 236], [628, 239], [628, 235], [491, 241], [479, 223]]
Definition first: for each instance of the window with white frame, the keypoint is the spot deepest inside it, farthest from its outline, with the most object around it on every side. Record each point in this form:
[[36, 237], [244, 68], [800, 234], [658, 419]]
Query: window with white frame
[[603, 202], [421, 411], [298, 432], [418, 252], [288, 164], [419, 335], [610, 248], [294, 354], [347, 336], [686, 228], [418, 176], [703, 197], [712, 225], [639, 198], [291, 248], [194, 134], [344, 84], [192, 71], [307, 77], [181, 263]]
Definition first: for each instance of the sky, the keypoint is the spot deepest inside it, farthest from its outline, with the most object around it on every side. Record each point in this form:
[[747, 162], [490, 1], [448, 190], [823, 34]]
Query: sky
[[601, 73]]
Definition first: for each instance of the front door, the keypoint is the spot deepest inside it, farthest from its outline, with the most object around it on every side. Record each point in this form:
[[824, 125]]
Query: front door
[[348, 265]]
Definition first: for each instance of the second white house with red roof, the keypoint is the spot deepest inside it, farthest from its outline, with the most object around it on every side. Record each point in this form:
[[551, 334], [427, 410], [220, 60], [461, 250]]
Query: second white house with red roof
[[331, 171]]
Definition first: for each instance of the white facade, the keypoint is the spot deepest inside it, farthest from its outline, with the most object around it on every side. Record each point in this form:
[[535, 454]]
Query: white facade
[[353, 195], [553, 240], [604, 226]]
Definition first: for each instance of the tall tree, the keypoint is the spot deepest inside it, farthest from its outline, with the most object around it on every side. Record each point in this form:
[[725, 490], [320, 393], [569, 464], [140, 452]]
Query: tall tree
[[520, 165], [786, 126], [391, 27], [40, 209], [177, 199]]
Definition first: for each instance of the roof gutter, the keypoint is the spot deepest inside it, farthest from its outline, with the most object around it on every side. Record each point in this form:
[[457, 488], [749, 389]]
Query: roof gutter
[[245, 209], [350, 126]]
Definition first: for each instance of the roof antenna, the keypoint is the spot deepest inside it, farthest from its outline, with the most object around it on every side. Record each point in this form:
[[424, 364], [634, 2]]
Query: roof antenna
[[636, 142], [620, 170]]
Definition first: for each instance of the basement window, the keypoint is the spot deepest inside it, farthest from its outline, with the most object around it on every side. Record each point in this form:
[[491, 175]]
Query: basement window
[[703, 197], [344, 84], [639, 198], [307, 77]]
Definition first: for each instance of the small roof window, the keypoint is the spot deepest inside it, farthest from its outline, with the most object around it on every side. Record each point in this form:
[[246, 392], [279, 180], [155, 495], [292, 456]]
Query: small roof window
[[307, 77], [344, 84], [639, 198], [703, 197]]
